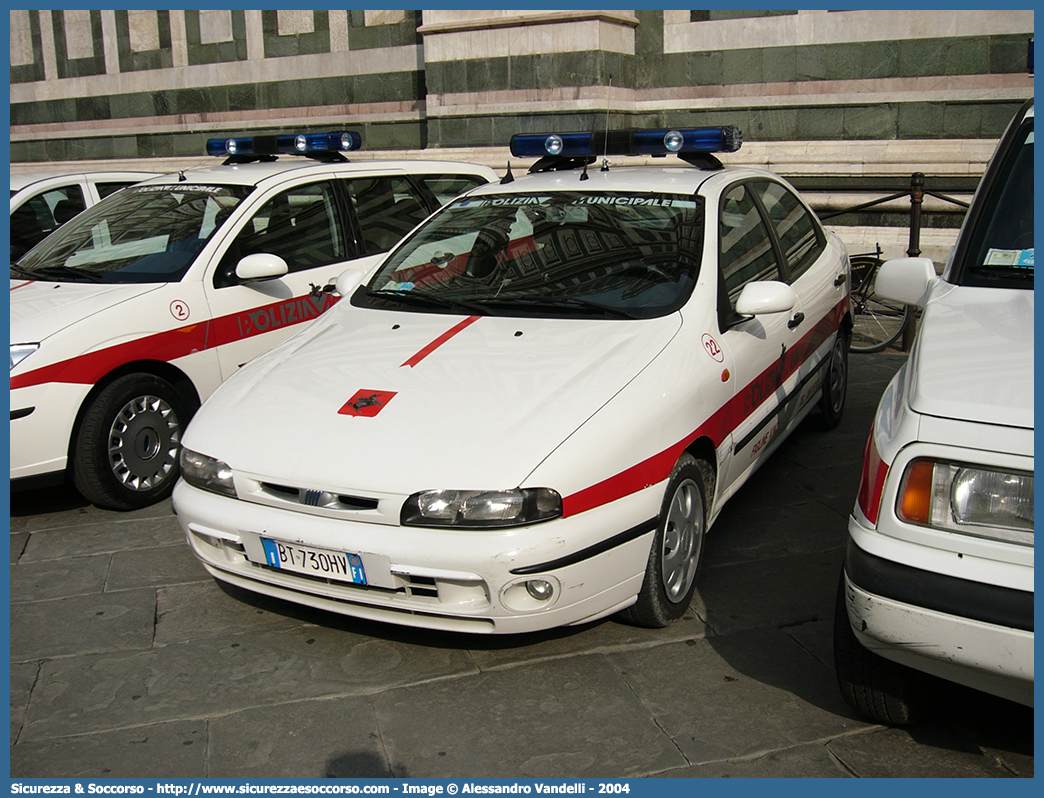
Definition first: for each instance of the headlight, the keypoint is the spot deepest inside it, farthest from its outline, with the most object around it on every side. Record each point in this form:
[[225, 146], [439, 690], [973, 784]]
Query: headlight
[[20, 352], [479, 509], [968, 499], [207, 473]]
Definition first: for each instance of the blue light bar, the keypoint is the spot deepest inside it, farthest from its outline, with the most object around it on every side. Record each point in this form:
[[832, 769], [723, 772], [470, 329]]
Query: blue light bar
[[627, 142], [286, 144]]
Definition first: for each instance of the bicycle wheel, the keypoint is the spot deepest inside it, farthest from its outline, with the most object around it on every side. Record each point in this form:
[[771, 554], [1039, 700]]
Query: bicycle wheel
[[877, 322]]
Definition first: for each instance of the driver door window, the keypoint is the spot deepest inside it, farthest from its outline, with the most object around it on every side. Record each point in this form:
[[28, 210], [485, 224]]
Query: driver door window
[[299, 225], [747, 254], [387, 209]]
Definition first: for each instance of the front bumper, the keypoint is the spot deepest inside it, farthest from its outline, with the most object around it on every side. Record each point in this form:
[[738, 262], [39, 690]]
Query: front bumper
[[962, 630], [451, 580]]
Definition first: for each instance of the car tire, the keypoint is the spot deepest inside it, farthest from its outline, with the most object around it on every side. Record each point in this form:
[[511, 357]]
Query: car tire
[[674, 559], [835, 383], [126, 448], [875, 687]]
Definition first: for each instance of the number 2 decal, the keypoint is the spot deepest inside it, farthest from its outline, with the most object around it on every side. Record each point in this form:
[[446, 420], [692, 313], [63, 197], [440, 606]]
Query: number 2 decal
[[712, 348], [179, 310]]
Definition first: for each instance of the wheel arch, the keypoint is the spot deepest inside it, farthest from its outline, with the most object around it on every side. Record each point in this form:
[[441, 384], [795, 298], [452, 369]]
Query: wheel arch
[[181, 382], [703, 449]]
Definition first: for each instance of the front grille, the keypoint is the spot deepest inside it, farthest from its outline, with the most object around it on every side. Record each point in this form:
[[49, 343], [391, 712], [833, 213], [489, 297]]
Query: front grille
[[312, 497]]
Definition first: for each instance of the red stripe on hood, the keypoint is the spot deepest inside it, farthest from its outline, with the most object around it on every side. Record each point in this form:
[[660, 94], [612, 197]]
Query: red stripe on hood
[[417, 358]]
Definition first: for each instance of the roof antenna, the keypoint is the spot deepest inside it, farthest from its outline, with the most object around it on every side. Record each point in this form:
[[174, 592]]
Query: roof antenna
[[508, 177], [605, 153]]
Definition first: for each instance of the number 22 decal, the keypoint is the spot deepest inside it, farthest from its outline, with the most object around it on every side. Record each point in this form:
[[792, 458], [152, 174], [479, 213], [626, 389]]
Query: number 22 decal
[[712, 348]]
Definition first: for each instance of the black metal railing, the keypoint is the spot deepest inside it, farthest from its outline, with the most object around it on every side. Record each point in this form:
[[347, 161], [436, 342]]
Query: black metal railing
[[916, 190]]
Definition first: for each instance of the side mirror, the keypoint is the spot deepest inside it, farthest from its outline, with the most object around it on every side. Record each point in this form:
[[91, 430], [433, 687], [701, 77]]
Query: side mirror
[[905, 280], [768, 296], [348, 281], [260, 266]]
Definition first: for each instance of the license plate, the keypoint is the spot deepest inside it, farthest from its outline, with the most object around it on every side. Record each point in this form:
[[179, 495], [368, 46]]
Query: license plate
[[343, 566]]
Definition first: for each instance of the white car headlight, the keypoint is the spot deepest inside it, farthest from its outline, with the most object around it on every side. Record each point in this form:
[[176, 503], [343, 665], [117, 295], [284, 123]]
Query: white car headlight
[[207, 473], [479, 509], [20, 352], [969, 499]]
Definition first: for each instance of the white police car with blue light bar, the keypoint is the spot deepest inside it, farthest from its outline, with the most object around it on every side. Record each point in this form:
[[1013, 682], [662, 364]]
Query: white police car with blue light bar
[[125, 319], [529, 414], [938, 575]]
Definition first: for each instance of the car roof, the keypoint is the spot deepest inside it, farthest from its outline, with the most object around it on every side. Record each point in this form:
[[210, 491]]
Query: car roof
[[251, 174], [683, 179], [22, 180]]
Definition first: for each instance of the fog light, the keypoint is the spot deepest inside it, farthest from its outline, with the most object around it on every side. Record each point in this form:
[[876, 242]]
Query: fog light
[[540, 589]]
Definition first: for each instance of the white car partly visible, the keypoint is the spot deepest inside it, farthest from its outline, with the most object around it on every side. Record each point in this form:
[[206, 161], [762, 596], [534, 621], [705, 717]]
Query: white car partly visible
[[531, 412], [41, 201], [938, 575]]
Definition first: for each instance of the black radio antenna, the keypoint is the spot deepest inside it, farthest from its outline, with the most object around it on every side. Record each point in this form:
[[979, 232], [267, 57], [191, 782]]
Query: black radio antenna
[[605, 152]]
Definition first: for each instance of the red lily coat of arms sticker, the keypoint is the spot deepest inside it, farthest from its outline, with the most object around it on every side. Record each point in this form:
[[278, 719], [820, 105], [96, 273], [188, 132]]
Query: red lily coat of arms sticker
[[366, 403]]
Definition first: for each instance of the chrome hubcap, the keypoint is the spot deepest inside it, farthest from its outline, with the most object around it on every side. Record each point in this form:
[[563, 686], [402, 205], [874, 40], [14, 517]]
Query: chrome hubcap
[[143, 443], [682, 541]]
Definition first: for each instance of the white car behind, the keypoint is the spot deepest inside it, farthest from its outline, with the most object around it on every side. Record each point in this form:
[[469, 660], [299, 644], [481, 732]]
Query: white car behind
[[938, 574], [41, 201]]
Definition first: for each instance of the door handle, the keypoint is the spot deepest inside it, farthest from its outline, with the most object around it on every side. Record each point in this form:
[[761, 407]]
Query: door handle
[[796, 321], [840, 280]]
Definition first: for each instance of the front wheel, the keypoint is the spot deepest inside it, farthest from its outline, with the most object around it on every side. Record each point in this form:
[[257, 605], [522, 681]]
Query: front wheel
[[670, 574], [126, 449]]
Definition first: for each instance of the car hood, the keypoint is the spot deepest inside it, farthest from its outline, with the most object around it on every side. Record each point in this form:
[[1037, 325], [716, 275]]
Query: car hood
[[463, 403], [974, 357], [40, 309]]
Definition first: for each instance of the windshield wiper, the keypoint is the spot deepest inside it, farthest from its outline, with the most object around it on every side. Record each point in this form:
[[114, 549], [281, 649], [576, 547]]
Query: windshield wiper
[[560, 304], [70, 272], [431, 300], [1003, 272], [21, 271]]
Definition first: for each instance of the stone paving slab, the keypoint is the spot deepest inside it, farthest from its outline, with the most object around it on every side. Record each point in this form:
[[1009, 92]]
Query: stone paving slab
[[83, 625], [336, 738], [812, 761], [220, 675], [784, 591], [158, 566], [23, 677], [113, 535], [889, 753], [163, 750], [575, 717], [53, 579], [208, 609], [702, 694]]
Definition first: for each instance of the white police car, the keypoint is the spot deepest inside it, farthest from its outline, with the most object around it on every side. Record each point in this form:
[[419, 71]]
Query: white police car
[[43, 201], [130, 315], [533, 409], [938, 574]]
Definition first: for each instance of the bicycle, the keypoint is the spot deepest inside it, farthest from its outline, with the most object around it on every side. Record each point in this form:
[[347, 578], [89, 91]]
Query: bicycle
[[878, 322]]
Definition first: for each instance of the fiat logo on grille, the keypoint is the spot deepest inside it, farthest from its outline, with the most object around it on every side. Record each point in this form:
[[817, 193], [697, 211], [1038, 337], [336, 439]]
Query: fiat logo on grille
[[312, 497]]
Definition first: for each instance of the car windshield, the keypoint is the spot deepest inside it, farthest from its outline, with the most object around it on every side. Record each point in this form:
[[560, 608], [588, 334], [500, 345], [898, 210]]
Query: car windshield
[[1000, 248], [146, 234], [574, 254]]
